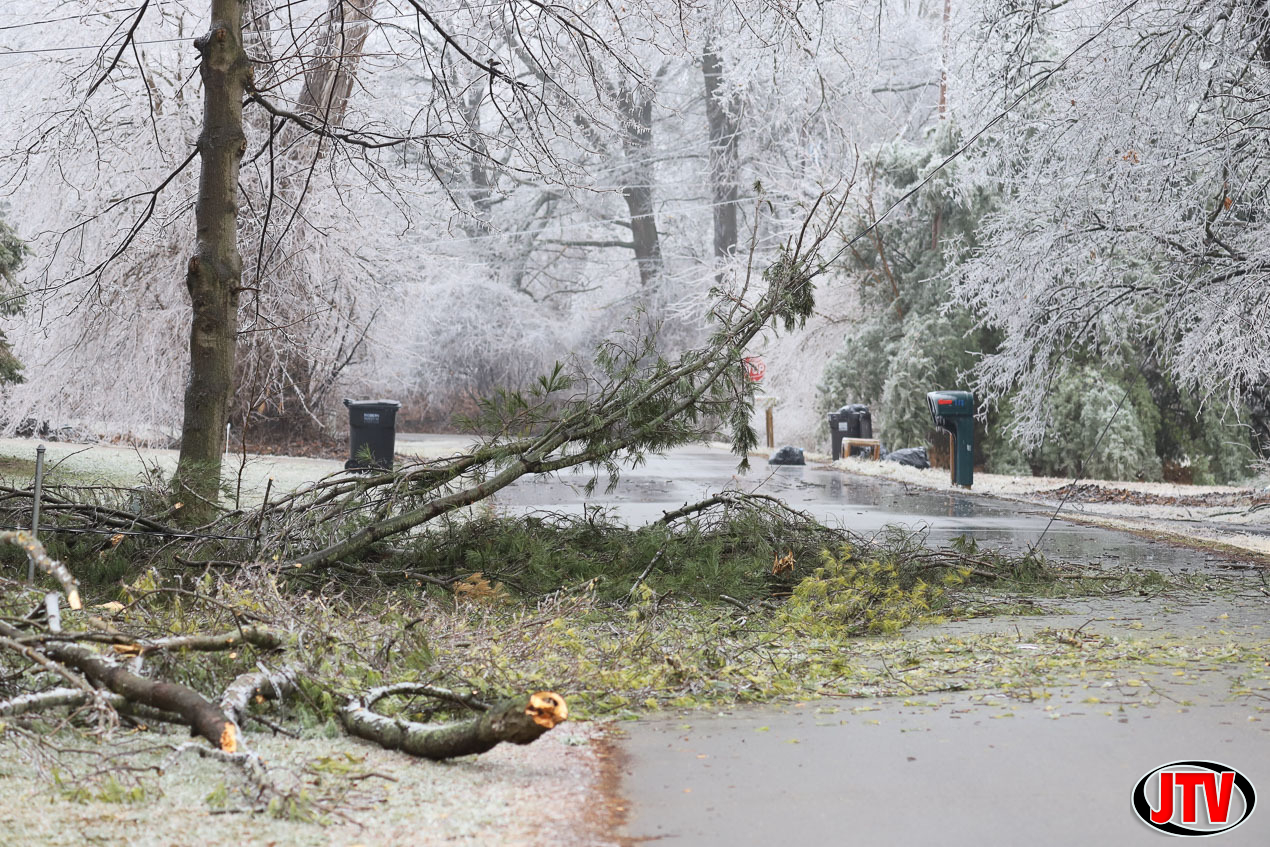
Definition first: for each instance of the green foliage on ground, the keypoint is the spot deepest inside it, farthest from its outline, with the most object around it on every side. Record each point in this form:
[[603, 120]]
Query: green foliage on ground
[[744, 600], [850, 597], [731, 552]]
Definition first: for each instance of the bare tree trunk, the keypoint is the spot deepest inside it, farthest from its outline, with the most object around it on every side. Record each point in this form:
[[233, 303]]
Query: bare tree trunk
[[943, 108], [723, 114], [288, 386], [636, 106], [214, 273]]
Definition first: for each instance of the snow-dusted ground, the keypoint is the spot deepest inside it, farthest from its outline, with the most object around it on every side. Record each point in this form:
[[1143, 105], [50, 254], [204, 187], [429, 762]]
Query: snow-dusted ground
[[126, 465], [543, 793], [1235, 524]]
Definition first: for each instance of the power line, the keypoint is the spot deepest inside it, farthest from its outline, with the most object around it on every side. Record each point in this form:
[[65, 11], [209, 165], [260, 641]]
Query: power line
[[81, 16], [143, 42]]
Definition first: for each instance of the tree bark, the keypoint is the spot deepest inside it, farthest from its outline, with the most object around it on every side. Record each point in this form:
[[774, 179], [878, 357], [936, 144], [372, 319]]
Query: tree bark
[[40, 558], [636, 106], [265, 685], [328, 82], [519, 720], [194, 710], [280, 383], [723, 115], [214, 272]]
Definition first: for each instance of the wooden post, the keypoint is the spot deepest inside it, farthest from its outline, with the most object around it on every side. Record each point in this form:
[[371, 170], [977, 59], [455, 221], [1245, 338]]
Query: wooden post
[[952, 459], [771, 434]]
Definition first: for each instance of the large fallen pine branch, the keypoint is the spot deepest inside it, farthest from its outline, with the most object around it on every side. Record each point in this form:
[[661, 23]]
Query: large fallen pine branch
[[518, 720], [633, 402]]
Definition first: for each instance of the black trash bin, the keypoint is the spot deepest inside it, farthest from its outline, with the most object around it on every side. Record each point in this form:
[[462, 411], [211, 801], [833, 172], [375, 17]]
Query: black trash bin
[[851, 421], [865, 423], [372, 433]]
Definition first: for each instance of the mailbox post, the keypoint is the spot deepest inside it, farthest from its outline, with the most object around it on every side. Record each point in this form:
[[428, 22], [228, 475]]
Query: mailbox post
[[954, 412]]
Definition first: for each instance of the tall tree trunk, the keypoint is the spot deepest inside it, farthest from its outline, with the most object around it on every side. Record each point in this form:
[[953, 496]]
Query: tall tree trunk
[[329, 78], [280, 377], [636, 106], [943, 108], [214, 273], [723, 114]]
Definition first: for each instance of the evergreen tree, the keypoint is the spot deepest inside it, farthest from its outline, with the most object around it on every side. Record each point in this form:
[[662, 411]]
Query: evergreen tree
[[1104, 419], [13, 251]]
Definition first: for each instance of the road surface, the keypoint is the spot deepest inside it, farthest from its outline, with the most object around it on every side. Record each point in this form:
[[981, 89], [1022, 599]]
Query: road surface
[[953, 769]]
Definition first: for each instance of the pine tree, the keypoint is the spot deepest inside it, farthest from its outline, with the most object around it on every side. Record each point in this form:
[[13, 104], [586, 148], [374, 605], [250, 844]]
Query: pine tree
[[13, 251]]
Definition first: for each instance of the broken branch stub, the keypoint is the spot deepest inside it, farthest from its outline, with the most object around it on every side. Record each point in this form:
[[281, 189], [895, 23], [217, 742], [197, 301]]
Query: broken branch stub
[[519, 720]]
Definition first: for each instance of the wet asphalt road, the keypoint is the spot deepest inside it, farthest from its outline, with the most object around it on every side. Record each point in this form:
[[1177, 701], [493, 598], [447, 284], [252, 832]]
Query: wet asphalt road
[[862, 504], [949, 771], [963, 772]]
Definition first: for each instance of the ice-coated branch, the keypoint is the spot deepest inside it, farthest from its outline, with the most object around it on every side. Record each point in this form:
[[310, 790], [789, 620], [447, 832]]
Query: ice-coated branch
[[36, 553]]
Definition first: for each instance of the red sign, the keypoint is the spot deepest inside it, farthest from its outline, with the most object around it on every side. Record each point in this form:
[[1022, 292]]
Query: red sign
[[754, 368]]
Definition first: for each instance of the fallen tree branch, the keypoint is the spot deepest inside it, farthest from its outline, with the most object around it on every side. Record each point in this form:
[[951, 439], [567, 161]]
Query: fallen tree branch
[[256, 636], [630, 595], [39, 658], [730, 498], [263, 684], [192, 708], [469, 701], [636, 402], [55, 698], [53, 611], [41, 700], [519, 720]]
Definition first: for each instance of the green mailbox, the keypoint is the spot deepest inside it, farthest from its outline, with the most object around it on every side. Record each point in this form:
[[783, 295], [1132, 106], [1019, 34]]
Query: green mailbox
[[954, 411]]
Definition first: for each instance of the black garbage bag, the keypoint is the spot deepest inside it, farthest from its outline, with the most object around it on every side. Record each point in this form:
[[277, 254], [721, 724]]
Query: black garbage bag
[[914, 457], [787, 455]]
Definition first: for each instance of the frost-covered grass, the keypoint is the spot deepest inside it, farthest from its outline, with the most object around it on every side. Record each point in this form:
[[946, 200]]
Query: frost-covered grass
[[367, 796], [122, 465], [111, 464]]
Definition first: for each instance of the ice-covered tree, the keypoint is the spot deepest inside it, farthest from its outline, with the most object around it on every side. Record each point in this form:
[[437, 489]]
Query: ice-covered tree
[[1132, 220]]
